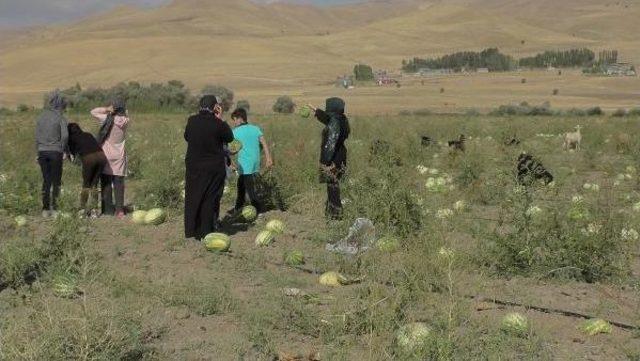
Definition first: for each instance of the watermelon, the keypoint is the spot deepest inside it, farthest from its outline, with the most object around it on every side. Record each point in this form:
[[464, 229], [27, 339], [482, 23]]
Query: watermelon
[[294, 258], [155, 216], [276, 226], [217, 242], [139, 216], [595, 326], [235, 146], [413, 336], [388, 244], [21, 221], [304, 111], [65, 287], [515, 323], [265, 238], [332, 279], [249, 213]]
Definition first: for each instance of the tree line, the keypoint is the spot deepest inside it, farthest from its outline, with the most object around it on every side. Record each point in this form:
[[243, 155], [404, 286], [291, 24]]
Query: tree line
[[494, 60]]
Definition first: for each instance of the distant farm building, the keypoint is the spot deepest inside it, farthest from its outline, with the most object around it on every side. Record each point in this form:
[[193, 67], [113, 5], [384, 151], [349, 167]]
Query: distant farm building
[[345, 81], [383, 78], [620, 69], [483, 70]]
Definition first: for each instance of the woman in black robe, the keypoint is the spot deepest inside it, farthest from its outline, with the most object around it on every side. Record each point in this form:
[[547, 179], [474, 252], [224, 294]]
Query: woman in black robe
[[333, 153], [206, 134]]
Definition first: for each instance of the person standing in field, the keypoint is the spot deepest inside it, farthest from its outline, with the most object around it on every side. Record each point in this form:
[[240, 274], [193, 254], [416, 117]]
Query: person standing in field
[[84, 145], [248, 162], [51, 145], [206, 134], [114, 122], [333, 152]]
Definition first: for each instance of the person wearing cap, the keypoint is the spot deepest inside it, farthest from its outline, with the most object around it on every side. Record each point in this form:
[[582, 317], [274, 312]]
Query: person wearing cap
[[333, 152], [206, 135], [51, 144], [114, 122]]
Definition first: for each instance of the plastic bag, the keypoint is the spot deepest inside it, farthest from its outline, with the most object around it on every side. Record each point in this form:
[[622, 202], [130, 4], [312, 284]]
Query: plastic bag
[[359, 239]]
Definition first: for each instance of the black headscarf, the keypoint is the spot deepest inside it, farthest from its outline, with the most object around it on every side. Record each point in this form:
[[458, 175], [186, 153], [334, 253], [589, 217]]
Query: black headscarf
[[207, 103], [335, 105]]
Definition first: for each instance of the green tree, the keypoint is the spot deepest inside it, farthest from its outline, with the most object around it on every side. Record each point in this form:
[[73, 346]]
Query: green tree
[[363, 72], [284, 104], [224, 94]]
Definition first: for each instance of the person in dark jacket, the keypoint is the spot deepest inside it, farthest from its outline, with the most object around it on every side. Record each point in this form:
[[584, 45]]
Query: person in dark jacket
[[51, 145], [85, 146], [206, 134], [333, 153]]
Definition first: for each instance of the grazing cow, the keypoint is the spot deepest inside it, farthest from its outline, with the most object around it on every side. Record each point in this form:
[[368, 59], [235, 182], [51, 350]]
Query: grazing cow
[[572, 139], [458, 144], [530, 169]]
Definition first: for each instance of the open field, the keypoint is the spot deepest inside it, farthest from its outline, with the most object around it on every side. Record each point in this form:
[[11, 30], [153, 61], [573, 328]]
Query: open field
[[263, 51], [148, 294]]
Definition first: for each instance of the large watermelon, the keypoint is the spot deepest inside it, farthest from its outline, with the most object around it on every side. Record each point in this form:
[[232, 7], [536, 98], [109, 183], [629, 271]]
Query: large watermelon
[[294, 258], [155, 216], [249, 213], [65, 286], [139, 217], [304, 111], [264, 238], [276, 226], [595, 326], [388, 244], [235, 146], [332, 279], [217, 242]]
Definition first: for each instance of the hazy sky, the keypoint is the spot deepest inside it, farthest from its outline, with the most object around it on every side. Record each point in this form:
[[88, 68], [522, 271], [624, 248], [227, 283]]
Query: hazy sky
[[30, 12]]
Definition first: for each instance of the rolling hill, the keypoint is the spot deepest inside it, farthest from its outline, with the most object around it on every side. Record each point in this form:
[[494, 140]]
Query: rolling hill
[[271, 48]]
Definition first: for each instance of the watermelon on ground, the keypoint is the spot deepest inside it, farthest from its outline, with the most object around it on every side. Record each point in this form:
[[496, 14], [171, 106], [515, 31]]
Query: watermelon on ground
[[264, 238], [249, 213], [294, 258], [217, 242], [413, 336], [332, 279], [276, 226], [139, 217], [155, 216]]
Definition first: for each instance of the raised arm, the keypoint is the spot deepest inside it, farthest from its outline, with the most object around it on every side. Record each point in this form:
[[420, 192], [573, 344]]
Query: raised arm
[[322, 116], [100, 113]]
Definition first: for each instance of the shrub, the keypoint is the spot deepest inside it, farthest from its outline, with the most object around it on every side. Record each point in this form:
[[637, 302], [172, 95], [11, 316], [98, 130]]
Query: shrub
[[594, 111], [576, 112], [620, 112], [23, 108], [284, 104], [363, 72], [225, 95], [556, 91], [523, 81], [634, 112], [243, 104]]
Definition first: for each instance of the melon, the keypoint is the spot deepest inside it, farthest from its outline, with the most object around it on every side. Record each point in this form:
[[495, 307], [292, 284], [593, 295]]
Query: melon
[[155, 216], [235, 146], [138, 217], [276, 226], [217, 242], [332, 279], [304, 111], [595, 326], [515, 322], [249, 213], [265, 238], [388, 244], [294, 258], [65, 287], [21, 221], [413, 336]]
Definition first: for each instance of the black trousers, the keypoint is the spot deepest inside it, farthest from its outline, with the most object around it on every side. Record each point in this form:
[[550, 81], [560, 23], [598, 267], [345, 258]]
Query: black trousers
[[51, 166], [333, 208], [247, 185], [203, 193], [92, 166], [111, 185]]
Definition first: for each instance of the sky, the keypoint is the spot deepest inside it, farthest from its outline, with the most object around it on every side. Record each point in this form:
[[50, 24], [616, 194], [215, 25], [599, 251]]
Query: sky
[[20, 13]]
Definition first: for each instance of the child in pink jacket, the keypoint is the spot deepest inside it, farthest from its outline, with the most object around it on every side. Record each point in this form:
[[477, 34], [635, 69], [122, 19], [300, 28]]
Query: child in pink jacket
[[113, 127]]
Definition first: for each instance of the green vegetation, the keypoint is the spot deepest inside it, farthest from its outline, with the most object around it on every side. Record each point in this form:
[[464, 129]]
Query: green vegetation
[[461, 227], [363, 72], [490, 58], [284, 105], [559, 59]]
